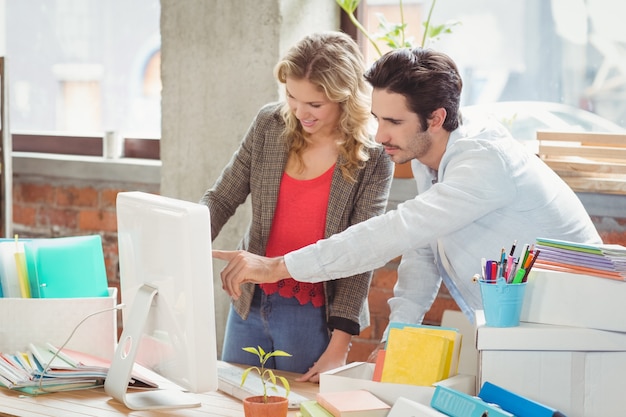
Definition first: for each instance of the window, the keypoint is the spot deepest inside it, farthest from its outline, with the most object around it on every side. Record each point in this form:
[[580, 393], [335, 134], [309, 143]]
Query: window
[[83, 67], [566, 51]]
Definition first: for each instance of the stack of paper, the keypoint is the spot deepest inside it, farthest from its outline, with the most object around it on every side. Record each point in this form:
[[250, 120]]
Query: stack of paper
[[605, 261], [43, 368], [361, 403]]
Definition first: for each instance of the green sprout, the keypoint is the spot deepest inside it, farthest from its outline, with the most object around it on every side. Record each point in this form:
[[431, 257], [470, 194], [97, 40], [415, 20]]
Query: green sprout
[[267, 375]]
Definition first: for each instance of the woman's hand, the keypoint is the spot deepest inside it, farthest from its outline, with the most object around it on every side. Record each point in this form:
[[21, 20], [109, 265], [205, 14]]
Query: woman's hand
[[334, 356]]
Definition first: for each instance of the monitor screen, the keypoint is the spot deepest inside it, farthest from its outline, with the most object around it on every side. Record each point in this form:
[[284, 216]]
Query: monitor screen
[[166, 283]]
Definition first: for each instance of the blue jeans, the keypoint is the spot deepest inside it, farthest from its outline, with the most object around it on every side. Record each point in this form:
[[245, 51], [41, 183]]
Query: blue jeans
[[277, 323]]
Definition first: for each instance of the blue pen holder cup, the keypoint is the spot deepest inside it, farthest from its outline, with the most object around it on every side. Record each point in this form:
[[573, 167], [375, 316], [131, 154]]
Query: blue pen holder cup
[[502, 302]]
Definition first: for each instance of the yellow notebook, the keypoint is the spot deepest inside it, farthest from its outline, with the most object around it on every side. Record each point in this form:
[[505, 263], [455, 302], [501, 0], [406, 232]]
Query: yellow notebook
[[418, 355], [452, 361]]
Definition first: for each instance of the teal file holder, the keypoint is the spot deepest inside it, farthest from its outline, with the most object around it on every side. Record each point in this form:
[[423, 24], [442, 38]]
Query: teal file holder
[[66, 267]]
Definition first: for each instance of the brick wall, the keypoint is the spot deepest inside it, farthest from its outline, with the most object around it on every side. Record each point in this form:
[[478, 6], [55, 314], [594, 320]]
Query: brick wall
[[53, 207], [44, 207]]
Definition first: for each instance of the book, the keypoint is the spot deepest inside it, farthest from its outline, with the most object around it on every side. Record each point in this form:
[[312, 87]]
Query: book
[[378, 366], [312, 408], [604, 261], [415, 358], [514, 403], [459, 404], [44, 368], [353, 403], [450, 332], [420, 354], [46, 357]]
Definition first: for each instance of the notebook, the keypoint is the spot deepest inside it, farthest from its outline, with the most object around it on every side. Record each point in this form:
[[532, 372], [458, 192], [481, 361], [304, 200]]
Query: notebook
[[229, 382]]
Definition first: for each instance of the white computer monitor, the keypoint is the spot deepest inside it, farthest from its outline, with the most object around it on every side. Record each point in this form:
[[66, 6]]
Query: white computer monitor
[[166, 283]]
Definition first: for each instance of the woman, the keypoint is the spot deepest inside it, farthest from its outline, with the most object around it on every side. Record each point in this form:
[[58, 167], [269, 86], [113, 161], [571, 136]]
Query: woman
[[312, 170]]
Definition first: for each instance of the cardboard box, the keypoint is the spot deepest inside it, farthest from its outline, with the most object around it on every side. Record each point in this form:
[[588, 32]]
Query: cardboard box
[[358, 375], [41, 320], [575, 370], [574, 300]]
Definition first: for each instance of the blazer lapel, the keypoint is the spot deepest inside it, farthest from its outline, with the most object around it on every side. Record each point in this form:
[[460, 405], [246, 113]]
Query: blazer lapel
[[340, 197], [275, 156]]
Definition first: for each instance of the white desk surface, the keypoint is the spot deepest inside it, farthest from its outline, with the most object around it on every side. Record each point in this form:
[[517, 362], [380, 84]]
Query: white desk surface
[[96, 403]]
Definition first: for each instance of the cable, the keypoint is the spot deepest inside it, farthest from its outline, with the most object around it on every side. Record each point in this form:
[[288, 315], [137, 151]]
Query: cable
[[46, 368]]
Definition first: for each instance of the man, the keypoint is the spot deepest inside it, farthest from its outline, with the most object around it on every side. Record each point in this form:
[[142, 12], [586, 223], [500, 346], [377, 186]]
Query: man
[[479, 190]]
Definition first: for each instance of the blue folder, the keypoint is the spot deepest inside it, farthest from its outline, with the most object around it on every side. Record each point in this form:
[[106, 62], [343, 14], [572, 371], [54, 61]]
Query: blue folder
[[459, 404], [514, 403]]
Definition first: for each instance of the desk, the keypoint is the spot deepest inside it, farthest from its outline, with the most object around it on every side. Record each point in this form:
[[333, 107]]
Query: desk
[[97, 403]]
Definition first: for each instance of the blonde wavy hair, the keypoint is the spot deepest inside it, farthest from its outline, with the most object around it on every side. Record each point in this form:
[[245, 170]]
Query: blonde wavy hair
[[332, 62]]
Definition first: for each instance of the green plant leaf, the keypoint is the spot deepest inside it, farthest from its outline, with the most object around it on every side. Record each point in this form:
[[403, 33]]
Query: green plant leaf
[[246, 372], [285, 383], [271, 376], [348, 6], [261, 352], [434, 32], [278, 353], [252, 350]]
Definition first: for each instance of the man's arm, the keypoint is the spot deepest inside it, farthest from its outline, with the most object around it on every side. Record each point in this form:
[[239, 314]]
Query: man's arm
[[247, 267]]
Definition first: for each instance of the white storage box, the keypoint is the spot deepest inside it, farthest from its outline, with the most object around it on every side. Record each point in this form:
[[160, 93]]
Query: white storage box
[[574, 300], [575, 370], [358, 375], [41, 320]]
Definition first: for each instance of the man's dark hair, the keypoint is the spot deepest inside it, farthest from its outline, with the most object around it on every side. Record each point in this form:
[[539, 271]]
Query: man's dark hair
[[428, 79]]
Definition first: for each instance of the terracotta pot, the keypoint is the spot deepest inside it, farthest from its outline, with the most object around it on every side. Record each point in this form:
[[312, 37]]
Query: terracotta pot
[[275, 406]]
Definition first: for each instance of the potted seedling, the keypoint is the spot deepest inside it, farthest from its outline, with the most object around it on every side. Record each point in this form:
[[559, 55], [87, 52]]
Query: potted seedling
[[266, 405]]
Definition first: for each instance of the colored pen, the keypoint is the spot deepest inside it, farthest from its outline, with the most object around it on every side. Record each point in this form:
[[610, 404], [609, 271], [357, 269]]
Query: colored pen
[[513, 271], [487, 277], [509, 267], [483, 267], [529, 259], [519, 276], [532, 262], [524, 254], [513, 248]]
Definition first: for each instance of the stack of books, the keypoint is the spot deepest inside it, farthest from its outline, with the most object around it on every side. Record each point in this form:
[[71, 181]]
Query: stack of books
[[605, 261], [418, 354], [43, 368]]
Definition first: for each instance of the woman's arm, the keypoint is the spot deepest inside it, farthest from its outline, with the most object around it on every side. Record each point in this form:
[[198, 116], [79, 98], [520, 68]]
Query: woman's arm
[[334, 356]]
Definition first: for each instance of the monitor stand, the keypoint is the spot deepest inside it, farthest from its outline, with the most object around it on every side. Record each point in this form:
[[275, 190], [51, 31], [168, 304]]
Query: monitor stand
[[119, 375]]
